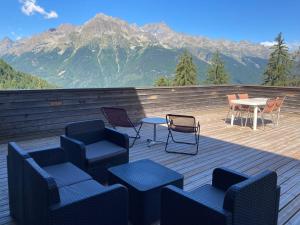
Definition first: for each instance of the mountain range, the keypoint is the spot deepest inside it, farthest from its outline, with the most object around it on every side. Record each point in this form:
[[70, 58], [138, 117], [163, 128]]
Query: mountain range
[[109, 52]]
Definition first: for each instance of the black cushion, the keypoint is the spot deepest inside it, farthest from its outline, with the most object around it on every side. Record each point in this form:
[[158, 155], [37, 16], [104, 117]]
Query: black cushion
[[66, 174], [210, 196], [102, 150], [78, 191], [86, 131]]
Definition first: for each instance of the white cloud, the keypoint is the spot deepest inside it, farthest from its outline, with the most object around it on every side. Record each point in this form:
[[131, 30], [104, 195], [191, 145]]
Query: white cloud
[[30, 7], [268, 43]]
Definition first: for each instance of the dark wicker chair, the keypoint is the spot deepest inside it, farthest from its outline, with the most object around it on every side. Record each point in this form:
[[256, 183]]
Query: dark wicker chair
[[232, 199], [182, 124], [94, 148], [118, 117], [46, 189], [15, 177]]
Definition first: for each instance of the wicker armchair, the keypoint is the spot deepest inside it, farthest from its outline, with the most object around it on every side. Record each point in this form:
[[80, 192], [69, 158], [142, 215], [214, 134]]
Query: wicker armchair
[[44, 188], [94, 148], [232, 199]]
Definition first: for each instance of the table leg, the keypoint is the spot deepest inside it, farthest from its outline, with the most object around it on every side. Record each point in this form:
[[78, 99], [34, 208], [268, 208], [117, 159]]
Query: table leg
[[255, 117], [154, 141], [154, 133]]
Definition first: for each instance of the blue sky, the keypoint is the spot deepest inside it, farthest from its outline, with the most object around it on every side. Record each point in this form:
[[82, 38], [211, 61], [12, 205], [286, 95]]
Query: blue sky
[[253, 20]]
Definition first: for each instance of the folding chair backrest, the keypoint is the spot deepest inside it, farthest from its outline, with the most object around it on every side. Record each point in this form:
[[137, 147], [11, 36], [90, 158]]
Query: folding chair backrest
[[117, 117], [181, 123], [270, 105], [230, 98], [243, 96]]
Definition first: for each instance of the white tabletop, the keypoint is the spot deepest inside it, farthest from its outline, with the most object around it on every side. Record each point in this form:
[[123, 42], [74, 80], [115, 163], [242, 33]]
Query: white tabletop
[[250, 101], [154, 120]]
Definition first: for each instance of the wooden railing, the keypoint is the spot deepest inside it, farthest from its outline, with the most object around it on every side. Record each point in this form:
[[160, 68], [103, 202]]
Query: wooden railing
[[28, 113]]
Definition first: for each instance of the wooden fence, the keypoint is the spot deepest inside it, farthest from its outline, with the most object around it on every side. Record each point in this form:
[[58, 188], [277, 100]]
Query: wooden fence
[[29, 113]]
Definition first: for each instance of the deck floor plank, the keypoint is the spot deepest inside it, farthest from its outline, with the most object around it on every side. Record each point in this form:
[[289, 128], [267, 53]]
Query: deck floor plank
[[238, 148]]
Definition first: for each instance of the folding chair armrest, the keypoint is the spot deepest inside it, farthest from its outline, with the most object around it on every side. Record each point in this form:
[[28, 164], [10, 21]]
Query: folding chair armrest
[[117, 138], [224, 178], [75, 150]]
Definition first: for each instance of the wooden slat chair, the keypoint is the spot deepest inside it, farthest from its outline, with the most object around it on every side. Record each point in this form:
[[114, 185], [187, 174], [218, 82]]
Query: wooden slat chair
[[118, 117], [182, 124]]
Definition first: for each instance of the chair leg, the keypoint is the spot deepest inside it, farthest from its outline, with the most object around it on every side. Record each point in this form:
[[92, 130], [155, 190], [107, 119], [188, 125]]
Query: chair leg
[[278, 116], [247, 117], [263, 121], [227, 115], [167, 142], [137, 135], [273, 121], [197, 136]]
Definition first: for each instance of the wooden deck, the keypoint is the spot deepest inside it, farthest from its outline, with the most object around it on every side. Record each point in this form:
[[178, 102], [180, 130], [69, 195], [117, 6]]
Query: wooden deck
[[238, 148]]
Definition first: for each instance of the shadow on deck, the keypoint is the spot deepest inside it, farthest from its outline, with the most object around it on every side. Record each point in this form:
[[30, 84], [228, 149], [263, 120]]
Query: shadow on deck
[[237, 148]]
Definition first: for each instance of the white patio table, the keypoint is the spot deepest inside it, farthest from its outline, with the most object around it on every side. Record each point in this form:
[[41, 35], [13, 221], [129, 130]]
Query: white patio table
[[252, 102]]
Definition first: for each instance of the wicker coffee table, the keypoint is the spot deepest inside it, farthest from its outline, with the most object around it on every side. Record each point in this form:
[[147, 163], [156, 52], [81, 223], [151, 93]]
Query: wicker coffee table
[[144, 180]]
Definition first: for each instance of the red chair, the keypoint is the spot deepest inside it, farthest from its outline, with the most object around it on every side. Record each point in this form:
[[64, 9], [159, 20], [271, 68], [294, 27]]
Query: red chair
[[234, 109], [268, 109], [118, 117], [277, 108]]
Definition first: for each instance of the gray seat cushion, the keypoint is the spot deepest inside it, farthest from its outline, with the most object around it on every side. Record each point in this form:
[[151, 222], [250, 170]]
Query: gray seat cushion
[[209, 196], [102, 150], [78, 191], [66, 174]]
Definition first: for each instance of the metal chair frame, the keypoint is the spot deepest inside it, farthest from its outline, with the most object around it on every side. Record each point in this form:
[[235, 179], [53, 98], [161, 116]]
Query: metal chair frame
[[196, 133], [277, 108], [238, 113], [130, 124]]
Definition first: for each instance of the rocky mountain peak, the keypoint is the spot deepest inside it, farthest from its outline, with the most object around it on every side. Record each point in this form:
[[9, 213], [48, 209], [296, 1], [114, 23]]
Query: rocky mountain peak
[[66, 27], [5, 44], [110, 31], [157, 28], [103, 23]]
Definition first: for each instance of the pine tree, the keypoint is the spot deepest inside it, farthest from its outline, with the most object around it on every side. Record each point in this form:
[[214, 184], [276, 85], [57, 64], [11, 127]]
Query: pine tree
[[163, 82], [216, 73], [280, 64], [186, 71]]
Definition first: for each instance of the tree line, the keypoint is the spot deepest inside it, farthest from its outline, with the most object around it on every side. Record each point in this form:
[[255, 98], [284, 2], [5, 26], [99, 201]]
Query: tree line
[[12, 79], [282, 69]]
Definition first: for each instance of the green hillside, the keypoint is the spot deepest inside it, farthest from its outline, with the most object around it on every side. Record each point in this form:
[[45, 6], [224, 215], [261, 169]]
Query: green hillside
[[12, 79], [93, 66]]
